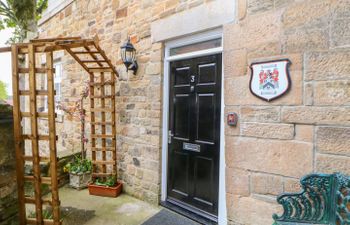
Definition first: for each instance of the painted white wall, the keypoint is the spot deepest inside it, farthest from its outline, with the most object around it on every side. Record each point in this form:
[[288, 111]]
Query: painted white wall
[[198, 19]]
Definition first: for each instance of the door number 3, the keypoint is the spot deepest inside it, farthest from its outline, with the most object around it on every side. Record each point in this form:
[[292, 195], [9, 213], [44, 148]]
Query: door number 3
[[193, 78]]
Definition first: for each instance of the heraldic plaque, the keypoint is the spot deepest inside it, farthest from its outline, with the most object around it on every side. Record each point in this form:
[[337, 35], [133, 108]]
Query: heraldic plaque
[[270, 80]]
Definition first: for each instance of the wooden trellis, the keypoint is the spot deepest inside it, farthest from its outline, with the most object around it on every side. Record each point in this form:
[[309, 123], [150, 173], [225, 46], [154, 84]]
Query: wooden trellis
[[92, 58]]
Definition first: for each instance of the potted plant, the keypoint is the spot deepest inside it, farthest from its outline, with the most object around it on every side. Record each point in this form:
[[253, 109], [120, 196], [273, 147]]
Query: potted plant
[[79, 172], [80, 169], [107, 188]]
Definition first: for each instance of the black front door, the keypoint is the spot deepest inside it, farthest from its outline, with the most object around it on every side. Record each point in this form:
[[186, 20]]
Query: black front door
[[194, 134]]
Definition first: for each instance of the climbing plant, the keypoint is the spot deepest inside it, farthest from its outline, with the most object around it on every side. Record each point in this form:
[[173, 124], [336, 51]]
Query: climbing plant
[[21, 16], [78, 111]]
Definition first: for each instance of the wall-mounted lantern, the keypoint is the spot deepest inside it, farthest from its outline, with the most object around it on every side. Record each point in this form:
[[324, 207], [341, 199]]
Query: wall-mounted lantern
[[128, 54]]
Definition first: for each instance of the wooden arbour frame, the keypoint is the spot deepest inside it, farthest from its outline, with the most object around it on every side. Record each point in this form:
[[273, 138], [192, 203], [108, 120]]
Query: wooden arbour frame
[[94, 61]]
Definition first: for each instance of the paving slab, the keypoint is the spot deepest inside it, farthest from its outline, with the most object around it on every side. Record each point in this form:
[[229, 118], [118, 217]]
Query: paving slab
[[78, 207]]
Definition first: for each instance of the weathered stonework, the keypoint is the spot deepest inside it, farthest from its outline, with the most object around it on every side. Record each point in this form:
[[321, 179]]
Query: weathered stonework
[[274, 143], [309, 126], [138, 97]]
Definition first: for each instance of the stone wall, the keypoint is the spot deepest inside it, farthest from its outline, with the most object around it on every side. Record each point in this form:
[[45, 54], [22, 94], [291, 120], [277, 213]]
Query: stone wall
[[274, 144], [138, 97], [8, 186], [307, 130]]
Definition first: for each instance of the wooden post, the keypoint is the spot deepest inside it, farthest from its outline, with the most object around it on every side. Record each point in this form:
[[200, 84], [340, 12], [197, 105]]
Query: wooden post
[[19, 143], [52, 139], [92, 122], [103, 119], [114, 141], [34, 134]]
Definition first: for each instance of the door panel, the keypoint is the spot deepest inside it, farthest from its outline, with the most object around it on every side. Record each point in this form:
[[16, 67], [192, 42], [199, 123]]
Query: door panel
[[182, 75], [205, 115], [181, 174], [194, 133], [204, 175], [207, 73], [182, 116]]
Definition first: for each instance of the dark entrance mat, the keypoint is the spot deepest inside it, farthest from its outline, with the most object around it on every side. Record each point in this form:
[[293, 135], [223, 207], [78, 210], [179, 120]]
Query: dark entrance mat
[[166, 217]]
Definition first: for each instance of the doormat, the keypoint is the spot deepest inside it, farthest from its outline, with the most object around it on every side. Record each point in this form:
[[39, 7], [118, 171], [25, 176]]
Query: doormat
[[166, 217]]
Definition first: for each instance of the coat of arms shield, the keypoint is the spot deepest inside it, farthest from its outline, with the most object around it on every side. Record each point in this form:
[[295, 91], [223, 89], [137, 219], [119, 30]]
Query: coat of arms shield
[[270, 80]]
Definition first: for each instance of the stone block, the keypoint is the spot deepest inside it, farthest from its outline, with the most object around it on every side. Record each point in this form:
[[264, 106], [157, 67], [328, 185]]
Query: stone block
[[68, 11], [287, 158], [252, 31], [300, 40], [255, 6], [237, 92], [235, 63], [332, 93], [250, 210], [332, 164], [171, 3], [264, 50], [340, 8], [327, 65], [283, 3], [268, 130], [237, 181], [121, 13], [260, 114], [304, 133], [316, 115], [308, 93], [309, 13], [334, 140], [266, 184], [291, 185], [340, 32]]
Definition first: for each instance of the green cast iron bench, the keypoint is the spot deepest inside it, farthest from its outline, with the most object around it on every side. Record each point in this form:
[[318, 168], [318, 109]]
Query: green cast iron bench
[[324, 199]]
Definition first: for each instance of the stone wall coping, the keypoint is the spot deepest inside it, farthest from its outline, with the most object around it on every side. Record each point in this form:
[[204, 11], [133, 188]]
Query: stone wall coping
[[50, 12]]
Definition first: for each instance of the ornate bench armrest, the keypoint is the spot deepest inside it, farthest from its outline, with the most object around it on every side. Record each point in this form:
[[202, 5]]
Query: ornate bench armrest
[[316, 203]]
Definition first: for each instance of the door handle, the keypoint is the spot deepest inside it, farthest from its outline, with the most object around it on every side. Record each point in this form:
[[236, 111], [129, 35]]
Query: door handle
[[170, 136]]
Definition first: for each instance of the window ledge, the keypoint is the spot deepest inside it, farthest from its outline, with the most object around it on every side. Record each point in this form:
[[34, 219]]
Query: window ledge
[[50, 12]]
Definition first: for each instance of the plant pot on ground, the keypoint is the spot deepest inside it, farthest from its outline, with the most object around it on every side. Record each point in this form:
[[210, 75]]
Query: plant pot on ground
[[108, 188], [79, 173]]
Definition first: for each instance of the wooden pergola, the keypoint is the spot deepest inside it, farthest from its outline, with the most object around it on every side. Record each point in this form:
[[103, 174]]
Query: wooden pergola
[[102, 75]]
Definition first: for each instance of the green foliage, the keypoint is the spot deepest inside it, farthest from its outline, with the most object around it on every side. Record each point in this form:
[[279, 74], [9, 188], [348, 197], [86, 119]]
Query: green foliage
[[110, 182], [47, 214], [3, 92], [21, 15], [78, 166]]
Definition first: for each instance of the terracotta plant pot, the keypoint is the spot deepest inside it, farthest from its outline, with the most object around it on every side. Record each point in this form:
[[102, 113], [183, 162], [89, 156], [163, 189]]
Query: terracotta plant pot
[[105, 191], [79, 180]]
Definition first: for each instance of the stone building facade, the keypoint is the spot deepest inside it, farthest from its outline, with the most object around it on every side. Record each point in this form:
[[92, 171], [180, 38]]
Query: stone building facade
[[275, 143]]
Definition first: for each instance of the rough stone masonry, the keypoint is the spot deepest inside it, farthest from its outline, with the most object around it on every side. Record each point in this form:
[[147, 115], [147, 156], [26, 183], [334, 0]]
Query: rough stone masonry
[[274, 144], [307, 130]]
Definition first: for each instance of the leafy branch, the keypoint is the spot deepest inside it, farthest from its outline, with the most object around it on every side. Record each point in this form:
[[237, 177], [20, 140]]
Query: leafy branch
[[22, 16]]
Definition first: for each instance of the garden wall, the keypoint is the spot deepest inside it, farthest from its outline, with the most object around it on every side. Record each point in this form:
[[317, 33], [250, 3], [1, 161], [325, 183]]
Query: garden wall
[[8, 186], [307, 130]]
